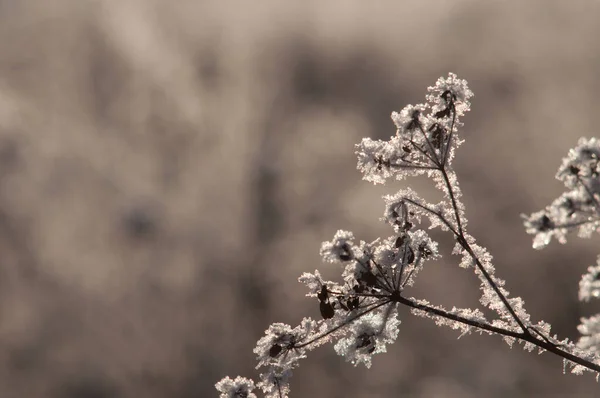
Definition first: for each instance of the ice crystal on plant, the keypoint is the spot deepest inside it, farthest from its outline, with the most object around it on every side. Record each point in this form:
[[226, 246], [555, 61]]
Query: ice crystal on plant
[[369, 336], [590, 331], [408, 118], [375, 160], [314, 282], [577, 209], [540, 225], [589, 286], [450, 91], [340, 249], [280, 345], [473, 315], [275, 384], [240, 387], [582, 162]]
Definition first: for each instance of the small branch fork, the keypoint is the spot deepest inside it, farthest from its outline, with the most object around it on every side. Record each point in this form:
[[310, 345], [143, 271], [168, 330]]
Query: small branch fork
[[536, 338], [459, 233]]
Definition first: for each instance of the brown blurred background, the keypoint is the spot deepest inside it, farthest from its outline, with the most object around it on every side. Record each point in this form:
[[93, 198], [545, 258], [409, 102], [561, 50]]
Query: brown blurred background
[[169, 168]]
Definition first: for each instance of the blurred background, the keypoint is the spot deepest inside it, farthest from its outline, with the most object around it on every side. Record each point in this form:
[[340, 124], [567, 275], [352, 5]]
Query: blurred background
[[168, 170]]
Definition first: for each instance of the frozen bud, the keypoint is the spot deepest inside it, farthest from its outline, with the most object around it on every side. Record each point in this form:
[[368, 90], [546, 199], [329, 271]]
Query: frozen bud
[[539, 222], [582, 162], [340, 249], [275, 383], [590, 331], [450, 93], [240, 387], [544, 228], [369, 335], [589, 286], [409, 118]]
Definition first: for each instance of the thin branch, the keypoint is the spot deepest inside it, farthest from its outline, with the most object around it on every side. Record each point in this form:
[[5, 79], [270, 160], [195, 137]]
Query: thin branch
[[438, 215], [346, 322], [575, 224], [489, 279], [383, 275], [525, 336], [463, 242], [435, 160], [407, 278], [424, 152], [411, 166], [450, 136], [452, 199], [444, 314]]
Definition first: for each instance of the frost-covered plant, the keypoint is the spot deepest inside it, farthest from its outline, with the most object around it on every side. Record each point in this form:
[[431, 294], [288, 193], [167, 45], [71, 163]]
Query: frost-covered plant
[[576, 209], [359, 313]]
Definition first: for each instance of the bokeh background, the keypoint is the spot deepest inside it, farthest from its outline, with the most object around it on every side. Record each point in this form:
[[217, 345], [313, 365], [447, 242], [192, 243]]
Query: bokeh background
[[169, 168]]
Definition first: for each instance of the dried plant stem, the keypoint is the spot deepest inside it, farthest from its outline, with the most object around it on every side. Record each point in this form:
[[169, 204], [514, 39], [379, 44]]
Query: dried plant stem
[[525, 336]]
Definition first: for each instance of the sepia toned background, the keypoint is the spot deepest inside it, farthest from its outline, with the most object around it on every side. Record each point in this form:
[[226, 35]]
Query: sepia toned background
[[169, 168]]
